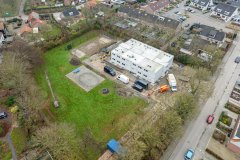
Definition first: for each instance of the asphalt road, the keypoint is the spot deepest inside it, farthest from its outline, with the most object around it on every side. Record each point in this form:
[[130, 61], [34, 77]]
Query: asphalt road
[[198, 132]]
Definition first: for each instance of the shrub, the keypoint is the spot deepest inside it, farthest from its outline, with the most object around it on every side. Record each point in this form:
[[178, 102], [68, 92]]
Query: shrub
[[69, 46], [225, 119], [10, 101], [75, 61]]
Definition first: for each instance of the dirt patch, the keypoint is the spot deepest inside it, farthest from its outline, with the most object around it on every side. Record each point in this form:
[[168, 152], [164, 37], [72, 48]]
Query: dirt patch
[[124, 92], [93, 46], [4, 128]]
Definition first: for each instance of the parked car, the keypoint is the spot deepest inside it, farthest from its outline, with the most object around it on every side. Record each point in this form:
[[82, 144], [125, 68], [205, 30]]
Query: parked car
[[123, 78], [189, 154], [176, 12], [109, 70], [210, 119], [3, 115], [137, 87], [237, 60]]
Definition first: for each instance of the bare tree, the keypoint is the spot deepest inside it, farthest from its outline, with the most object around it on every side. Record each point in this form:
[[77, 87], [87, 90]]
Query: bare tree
[[60, 139]]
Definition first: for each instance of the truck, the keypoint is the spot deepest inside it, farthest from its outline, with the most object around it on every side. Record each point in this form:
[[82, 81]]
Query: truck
[[123, 78], [172, 82], [142, 83]]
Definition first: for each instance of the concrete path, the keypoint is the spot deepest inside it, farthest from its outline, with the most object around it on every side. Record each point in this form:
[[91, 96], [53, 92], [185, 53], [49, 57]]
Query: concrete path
[[10, 144]]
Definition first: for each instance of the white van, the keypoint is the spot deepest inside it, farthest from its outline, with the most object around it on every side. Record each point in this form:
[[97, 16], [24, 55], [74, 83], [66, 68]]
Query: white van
[[123, 78], [172, 82]]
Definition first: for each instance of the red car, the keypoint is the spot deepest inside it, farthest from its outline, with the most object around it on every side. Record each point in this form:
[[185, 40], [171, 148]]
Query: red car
[[210, 119]]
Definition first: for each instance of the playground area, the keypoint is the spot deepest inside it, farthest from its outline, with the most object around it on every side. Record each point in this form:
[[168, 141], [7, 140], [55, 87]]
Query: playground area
[[92, 47], [85, 78]]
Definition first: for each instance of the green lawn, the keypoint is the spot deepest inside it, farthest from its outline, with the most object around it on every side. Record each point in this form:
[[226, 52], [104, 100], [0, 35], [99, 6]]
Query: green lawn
[[108, 116], [19, 139]]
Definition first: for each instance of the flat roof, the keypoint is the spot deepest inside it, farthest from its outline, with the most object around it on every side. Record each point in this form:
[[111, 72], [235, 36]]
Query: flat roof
[[143, 55]]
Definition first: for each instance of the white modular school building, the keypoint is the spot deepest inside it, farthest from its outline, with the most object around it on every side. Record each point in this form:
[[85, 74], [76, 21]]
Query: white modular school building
[[142, 60]]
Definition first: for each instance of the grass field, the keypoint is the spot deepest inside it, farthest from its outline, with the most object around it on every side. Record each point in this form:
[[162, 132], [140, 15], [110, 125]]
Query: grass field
[[19, 139], [9, 6], [107, 116]]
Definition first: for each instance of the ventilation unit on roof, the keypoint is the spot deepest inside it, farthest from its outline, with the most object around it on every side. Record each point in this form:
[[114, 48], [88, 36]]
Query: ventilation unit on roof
[[227, 13], [161, 18], [130, 56]]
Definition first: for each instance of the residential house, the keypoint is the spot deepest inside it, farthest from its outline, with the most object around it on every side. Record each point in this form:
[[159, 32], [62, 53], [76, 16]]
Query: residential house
[[234, 142], [234, 98], [210, 34], [155, 6], [33, 24], [224, 11], [202, 4], [127, 11], [70, 13], [67, 2], [34, 20]]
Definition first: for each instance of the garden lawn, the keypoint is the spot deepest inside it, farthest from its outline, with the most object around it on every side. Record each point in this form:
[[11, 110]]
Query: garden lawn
[[19, 139], [107, 116]]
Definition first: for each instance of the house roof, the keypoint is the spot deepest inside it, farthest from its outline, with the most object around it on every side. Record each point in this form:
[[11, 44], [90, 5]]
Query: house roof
[[156, 5], [235, 3], [201, 2], [225, 9], [142, 15], [210, 32], [1, 26], [71, 12], [33, 16]]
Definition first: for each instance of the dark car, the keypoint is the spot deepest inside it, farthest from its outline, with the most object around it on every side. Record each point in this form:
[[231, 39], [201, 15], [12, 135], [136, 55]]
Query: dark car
[[137, 87], [237, 60], [3, 115], [210, 119], [109, 70], [142, 83]]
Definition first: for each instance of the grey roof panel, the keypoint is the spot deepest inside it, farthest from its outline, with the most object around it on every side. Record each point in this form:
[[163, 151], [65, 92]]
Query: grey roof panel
[[225, 9], [71, 12], [142, 15], [201, 2], [208, 31]]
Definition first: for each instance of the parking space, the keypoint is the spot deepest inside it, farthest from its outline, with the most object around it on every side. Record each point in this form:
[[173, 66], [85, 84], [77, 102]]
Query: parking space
[[196, 17]]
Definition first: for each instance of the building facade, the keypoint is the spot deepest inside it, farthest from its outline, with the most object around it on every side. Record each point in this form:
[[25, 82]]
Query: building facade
[[1, 38], [201, 4], [224, 12], [142, 60]]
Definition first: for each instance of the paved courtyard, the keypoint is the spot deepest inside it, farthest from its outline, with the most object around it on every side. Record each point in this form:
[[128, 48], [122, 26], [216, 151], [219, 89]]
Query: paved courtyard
[[85, 78]]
